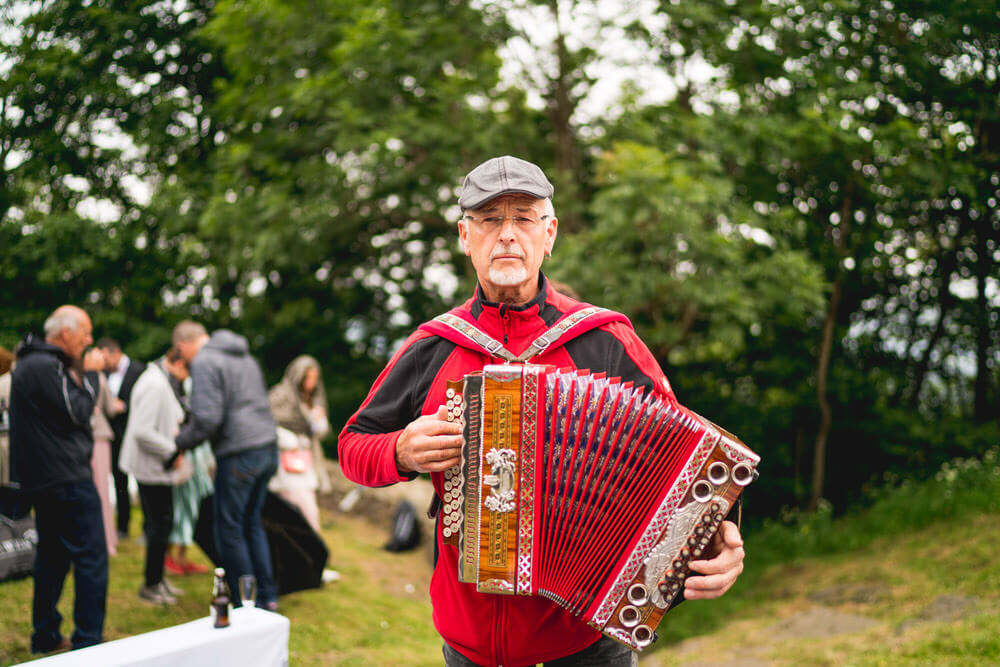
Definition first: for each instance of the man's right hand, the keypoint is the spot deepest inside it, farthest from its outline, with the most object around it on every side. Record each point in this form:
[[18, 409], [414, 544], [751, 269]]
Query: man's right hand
[[93, 360], [429, 444]]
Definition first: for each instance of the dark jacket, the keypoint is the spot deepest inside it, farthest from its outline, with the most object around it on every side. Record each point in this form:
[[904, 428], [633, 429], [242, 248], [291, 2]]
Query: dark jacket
[[50, 435], [228, 404], [488, 629]]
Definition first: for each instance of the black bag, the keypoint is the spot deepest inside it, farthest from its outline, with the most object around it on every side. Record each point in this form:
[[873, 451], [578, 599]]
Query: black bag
[[405, 529], [18, 544]]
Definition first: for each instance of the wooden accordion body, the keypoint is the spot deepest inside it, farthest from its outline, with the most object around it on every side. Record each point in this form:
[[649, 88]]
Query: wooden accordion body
[[583, 490]]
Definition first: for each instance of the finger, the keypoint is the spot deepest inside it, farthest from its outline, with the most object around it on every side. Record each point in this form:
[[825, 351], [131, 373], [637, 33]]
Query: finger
[[728, 559], [440, 466], [433, 455], [441, 414], [705, 588], [431, 425], [731, 534]]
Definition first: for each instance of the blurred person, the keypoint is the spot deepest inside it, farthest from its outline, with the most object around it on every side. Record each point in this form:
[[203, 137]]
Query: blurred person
[[229, 408], [298, 404], [106, 407], [187, 501], [122, 373], [53, 391], [187, 504], [156, 415], [6, 362], [508, 227]]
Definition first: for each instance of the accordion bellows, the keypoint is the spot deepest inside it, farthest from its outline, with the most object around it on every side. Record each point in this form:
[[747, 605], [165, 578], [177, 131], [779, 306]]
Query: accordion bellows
[[586, 491]]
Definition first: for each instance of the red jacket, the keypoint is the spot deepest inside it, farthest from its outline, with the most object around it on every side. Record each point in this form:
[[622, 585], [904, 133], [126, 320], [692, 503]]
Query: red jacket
[[488, 629]]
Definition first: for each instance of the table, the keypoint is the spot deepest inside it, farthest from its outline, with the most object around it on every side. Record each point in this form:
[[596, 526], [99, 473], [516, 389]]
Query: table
[[254, 637]]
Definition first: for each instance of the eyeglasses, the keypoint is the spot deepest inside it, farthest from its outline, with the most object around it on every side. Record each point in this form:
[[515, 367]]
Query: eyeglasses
[[494, 223]]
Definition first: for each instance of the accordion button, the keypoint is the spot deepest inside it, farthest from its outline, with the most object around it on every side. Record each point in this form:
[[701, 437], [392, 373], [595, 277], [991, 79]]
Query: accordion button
[[715, 507], [696, 552], [718, 517], [706, 518], [692, 541], [678, 564], [663, 587], [685, 553], [699, 530]]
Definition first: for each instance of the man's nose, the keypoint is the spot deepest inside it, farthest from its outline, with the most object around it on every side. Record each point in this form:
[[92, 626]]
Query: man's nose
[[507, 230]]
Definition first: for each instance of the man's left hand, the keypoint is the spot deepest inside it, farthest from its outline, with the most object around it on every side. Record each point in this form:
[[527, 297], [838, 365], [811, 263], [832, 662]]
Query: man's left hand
[[720, 571]]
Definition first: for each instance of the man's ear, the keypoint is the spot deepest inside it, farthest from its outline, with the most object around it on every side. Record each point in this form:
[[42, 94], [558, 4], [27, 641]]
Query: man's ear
[[551, 235], [463, 237]]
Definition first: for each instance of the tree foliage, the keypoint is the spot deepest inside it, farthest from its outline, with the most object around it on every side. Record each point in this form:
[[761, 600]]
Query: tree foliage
[[806, 235]]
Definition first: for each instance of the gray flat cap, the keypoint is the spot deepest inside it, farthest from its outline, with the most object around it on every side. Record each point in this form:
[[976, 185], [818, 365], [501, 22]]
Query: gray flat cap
[[500, 176]]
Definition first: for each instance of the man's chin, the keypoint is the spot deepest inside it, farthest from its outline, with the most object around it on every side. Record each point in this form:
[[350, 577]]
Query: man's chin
[[508, 278]]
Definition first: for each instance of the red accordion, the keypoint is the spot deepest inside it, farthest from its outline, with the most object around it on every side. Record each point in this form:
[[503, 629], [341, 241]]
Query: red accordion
[[586, 491]]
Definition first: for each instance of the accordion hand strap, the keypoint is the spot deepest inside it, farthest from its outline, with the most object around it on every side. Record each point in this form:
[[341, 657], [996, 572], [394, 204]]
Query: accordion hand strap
[[492, 346]]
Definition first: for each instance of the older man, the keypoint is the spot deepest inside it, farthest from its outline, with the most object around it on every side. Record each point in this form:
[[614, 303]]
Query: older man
[[52, 398], [507, 229]]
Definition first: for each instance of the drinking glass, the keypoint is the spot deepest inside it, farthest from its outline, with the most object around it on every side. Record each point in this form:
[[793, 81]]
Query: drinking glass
[[248, 590]]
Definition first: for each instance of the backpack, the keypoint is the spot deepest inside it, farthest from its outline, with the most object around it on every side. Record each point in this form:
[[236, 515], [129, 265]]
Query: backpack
[[405, 531], [18, 544]]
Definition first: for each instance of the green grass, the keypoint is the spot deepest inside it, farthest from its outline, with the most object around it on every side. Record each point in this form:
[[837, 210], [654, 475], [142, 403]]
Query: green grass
[[378, 614], [915, 543]]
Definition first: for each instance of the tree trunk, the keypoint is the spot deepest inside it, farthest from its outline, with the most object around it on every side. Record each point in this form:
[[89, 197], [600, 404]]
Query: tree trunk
[[949, 261], [981, 412], [561, 105], [822, 375]]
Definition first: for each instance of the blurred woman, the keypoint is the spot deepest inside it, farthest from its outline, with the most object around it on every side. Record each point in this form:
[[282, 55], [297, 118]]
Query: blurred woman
[[155, 415], [299, 406], [105, 407], [187, 500]]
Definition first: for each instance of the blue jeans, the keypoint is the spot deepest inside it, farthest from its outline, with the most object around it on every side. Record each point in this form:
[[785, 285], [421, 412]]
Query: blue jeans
[[70, 530], [240, 487], [605, 652]]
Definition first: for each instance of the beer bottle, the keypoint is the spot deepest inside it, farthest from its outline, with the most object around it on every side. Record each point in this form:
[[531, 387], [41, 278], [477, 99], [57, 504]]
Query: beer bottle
[[221, 602]]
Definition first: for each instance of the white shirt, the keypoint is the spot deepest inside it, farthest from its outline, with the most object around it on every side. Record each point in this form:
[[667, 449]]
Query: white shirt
[[116, 376]]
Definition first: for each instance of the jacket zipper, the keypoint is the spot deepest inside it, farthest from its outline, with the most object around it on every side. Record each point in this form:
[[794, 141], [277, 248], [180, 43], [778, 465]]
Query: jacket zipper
[[505, 321]]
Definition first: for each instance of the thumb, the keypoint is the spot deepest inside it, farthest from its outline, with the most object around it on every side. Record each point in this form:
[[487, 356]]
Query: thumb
[[731, 534], [442, 413]]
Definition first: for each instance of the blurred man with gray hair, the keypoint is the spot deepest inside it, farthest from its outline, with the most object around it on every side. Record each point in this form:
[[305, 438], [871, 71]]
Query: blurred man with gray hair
[[53, 389], [229, 408]]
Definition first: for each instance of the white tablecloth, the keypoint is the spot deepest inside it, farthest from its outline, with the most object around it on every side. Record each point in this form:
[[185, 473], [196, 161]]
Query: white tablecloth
[[254, 637]]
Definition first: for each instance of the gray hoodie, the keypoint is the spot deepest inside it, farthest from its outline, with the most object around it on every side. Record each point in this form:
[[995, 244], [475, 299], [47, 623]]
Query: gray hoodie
[[228, 402]]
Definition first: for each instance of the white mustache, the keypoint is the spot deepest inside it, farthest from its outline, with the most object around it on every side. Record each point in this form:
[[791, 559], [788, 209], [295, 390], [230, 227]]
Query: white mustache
[[507, 250]]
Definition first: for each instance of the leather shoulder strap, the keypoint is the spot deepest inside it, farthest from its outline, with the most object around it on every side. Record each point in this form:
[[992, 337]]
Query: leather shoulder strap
[[463, 332]]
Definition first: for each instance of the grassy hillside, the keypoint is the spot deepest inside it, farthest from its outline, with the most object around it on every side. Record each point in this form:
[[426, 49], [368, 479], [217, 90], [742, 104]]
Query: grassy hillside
[[914, 580]]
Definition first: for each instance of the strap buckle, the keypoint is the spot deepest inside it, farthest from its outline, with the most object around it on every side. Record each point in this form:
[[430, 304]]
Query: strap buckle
[[541, 343], [493, 346]]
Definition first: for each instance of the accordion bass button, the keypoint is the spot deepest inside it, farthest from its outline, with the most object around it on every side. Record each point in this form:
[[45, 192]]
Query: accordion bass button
[[742, 473], [629, 616], [702, 491], [718, 473], [638, 595], [642, 636]]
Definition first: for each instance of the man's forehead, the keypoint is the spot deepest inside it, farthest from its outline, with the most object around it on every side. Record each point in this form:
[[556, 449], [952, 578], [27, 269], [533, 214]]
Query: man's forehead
[[518, 201]]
